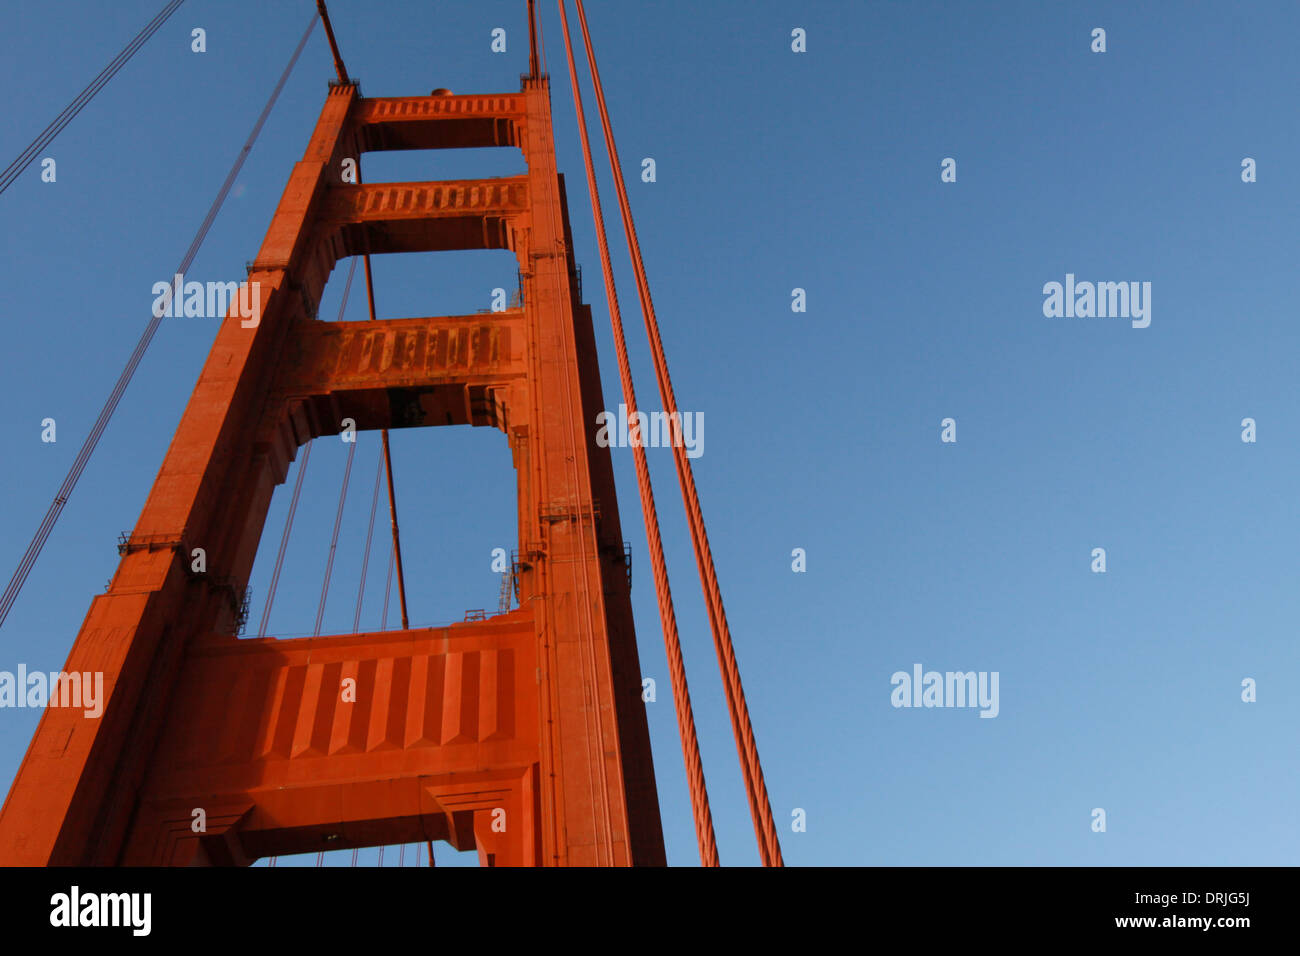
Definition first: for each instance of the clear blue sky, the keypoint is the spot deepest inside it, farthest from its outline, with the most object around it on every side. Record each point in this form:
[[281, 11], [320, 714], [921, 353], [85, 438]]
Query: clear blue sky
[[779, 170]]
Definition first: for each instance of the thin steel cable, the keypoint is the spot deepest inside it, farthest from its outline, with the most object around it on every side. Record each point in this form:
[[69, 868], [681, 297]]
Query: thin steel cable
[[43, 138], [80, 101], [110, 406], [284, 539], [334, 538], [65, 116], [756, 789], [677, 669], [370, 534], [397, 542], [347, 474], [388, 465], [388, 589]]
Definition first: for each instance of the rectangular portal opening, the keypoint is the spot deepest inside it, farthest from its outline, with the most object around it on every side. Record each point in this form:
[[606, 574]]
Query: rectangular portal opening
[[430, 165], [424, 284], [457, 510]]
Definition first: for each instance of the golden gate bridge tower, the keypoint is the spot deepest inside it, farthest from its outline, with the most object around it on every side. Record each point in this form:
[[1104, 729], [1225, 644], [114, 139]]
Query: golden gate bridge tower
[[521, 735]]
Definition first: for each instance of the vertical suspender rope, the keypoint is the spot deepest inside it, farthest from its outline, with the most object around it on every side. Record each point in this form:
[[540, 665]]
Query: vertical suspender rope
[[370, 534], [388, 589], [334, 538], [681, 694], [284, 539], [388, 463], [760, 806], [347, 473]]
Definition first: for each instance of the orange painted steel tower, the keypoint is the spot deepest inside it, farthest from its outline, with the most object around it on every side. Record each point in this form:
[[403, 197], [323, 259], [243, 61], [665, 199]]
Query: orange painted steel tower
[[523, 735]]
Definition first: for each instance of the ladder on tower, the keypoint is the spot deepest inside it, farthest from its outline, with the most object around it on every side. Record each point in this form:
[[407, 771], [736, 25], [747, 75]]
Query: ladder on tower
[[507, 586]]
